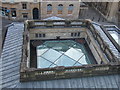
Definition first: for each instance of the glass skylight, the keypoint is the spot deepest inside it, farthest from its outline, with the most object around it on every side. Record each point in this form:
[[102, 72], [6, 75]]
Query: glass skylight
[[115, 36], [62, 53]]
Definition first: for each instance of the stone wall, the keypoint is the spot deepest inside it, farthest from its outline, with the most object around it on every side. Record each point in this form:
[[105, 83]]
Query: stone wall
[[97, 45], [20, 10], [64, 14], [42, 9]]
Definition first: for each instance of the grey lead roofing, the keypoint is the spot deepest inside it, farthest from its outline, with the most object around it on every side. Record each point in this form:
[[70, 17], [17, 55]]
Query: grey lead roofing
[[111, 46], [10, 66]]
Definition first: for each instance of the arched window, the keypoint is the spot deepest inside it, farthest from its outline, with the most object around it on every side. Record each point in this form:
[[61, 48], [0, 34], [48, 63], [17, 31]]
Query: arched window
[[49, 9], [60, 8], [70, 9]]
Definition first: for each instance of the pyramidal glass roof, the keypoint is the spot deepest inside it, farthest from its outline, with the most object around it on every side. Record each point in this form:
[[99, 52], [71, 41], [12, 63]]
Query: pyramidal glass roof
[[61, 53]]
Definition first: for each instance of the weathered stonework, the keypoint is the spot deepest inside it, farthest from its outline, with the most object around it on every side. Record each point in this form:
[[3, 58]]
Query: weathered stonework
[[107, 63], [41, 9]]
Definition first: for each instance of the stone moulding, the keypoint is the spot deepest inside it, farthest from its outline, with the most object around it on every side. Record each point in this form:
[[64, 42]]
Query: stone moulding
[[61, 72], [32, 74]]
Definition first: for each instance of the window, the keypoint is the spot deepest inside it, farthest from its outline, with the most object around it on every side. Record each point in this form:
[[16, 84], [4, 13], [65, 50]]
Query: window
[[35, 0], [24, 6], [43, 35], [3, 9], [72, 34], [70, 9], [75, 34], [78, 33], [49, 9], [60, 8], [12, 1], [13, 12], [25, 15], [38, 35]]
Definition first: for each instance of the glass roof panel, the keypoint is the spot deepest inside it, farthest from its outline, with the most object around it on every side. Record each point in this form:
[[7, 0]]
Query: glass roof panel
[[62, 53], [115, 37], [41, 51], [51, 55], [50, 44], [61, 47], [83, 60], [74, 54], [79, 47], [69, 43], [42, 63], [52, 65], [41, 47], [77, 64], [65, 61]]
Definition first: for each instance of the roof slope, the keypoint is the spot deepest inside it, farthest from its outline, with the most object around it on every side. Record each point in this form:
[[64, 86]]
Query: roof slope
[[111, 46], [10, 63]]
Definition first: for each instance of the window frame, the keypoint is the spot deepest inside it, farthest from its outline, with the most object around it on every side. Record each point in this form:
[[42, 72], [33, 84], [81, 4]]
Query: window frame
[[49, 8], [70, 8], [60, 8], [13, 12], [23, 14], [24, 5]]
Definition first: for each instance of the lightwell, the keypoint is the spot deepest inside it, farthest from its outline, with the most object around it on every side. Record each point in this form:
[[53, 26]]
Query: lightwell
[[59, 49], [62, 53]]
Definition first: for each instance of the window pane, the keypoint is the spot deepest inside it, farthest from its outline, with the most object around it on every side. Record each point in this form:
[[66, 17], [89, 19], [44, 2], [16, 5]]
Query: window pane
[[83, 60], [70, 7], [60, 7], [42, 63], [75, 34], [43, 35], [65, 61], [25, 16], [41, 51], [78, 33], [74, 54], [24, 6], [71, 34], [36, 35], [39, 35], [49, 7], [51, 55]]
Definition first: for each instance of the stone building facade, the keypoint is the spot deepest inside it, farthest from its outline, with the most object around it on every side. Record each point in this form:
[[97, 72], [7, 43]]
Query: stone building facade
[[67, 9], [21, 10], [40, 9], [110, 10]]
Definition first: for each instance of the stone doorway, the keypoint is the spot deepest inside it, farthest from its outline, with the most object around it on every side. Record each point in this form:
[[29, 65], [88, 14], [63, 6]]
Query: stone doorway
[[35, 13]]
